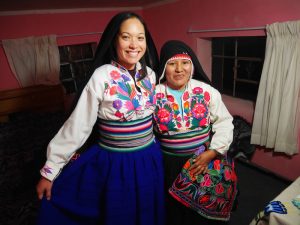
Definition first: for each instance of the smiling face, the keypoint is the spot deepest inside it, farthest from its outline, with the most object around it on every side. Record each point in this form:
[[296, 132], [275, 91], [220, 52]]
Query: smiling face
[[178, 72], [130, 43]]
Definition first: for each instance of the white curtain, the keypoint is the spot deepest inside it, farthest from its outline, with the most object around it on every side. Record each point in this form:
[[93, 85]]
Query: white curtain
[[33, 60], [276, 117]]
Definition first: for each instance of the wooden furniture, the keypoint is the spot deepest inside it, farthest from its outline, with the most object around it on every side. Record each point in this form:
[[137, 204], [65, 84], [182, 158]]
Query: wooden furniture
[[29, 119], [35, 98]]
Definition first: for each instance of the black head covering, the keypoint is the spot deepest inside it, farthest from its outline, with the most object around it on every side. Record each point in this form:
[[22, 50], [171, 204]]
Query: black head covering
[[174, 47]]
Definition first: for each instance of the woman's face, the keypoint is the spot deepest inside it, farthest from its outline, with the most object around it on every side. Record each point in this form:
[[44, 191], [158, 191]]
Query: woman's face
[[130, 43], [178, 72]]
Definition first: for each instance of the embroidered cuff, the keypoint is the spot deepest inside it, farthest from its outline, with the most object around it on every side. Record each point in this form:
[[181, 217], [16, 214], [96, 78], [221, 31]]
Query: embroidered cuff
[[50, 171]]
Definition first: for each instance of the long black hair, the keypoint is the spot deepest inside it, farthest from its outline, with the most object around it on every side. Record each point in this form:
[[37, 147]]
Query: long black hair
[[106, 51], [173, 47]]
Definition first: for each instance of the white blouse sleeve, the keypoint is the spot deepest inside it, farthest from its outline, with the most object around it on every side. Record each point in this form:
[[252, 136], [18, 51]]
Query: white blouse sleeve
[[221, 121], [73, 133]]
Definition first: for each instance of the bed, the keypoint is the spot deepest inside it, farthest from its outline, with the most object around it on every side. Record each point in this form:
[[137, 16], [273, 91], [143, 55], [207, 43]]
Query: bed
[[29, 118]]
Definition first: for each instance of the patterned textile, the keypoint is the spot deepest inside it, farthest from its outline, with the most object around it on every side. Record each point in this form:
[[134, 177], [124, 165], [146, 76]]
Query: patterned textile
[[130, 135], [111, 94], [183, 144], [211, 194]]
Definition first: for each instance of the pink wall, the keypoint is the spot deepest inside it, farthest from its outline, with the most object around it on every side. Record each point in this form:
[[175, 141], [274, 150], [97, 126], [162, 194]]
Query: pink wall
[[177, 18], [20, 26], [170, 21]]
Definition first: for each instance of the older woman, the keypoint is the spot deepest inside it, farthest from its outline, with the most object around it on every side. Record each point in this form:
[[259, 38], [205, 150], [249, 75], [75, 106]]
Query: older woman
[[195, 130]]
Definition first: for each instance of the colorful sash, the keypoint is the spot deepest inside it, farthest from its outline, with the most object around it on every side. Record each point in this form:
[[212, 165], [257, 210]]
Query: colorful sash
[[126, 135], [184, 144]]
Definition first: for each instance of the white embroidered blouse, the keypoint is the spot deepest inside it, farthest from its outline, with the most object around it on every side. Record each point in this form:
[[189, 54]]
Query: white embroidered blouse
[[201, 106], [110, 94]]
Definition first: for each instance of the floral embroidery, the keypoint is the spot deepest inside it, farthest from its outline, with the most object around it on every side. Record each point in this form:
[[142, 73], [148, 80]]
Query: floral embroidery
[[207, 181], [46, 170], [113, 90], [164, 115], [117, 104], [115, 75], [185, 96], [206, 96], [195, 109], [125, 99], [198, 110], [197, 90], [219, 188], [217, 164], [170, 98], [211, 195]]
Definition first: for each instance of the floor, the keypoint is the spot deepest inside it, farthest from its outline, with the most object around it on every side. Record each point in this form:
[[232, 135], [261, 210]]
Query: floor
[[256, 188]]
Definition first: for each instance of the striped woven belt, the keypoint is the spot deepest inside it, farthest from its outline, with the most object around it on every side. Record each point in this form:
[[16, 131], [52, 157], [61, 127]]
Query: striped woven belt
[[184, 144], [126, 135]]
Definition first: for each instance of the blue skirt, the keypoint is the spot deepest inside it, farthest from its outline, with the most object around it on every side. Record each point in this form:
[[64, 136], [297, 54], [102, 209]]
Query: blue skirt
[[106, 187]]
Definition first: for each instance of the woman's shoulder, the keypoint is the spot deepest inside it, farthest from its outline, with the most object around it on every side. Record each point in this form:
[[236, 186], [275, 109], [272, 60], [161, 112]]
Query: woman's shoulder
[[150, 72], [105, 68], [104, 71], [203, 85]]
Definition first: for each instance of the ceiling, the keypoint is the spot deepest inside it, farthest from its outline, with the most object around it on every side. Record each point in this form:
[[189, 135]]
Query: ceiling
[[21, 5]]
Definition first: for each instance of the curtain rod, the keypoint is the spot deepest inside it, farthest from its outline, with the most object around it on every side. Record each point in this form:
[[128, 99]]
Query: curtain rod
[[226, 29], [72, 35], [81, 34]]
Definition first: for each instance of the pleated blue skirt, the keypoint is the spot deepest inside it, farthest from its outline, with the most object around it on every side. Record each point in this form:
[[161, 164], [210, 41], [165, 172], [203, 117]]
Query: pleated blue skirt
[[106, 187]]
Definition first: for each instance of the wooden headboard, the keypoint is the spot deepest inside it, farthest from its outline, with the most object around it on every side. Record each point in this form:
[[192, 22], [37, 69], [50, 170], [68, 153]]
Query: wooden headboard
[[30, 99]]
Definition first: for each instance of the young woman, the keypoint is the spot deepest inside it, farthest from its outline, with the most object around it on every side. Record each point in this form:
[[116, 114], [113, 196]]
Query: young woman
[[195, 130], [119, 179]]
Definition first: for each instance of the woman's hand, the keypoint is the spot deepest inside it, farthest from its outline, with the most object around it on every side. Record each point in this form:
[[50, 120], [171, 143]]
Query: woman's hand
[[200, 164], [44, 187]]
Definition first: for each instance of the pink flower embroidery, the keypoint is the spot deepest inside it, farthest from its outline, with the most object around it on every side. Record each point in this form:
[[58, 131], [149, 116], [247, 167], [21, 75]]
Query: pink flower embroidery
[[206, 96], [170, 98], [203, 122], [178, 118], [185, 96], [163, 115], [160, 95], [115, 75], [197, 90], [119, 114], [219, 189], [163, 127], [206, 182], [198, 110], [129, 105], [227, 174], [113, 90]]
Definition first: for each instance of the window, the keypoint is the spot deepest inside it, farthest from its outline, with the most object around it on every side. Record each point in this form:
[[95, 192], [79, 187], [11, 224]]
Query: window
[[237, 65], [75, 65]]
